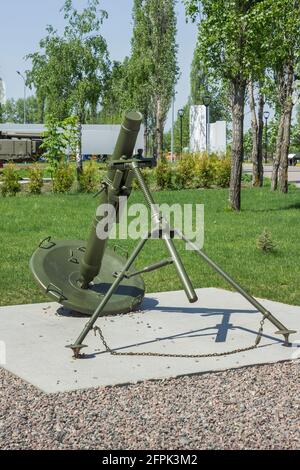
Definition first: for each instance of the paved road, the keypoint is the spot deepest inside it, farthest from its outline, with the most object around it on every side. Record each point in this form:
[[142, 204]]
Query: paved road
[[26, 180], [294, 172]]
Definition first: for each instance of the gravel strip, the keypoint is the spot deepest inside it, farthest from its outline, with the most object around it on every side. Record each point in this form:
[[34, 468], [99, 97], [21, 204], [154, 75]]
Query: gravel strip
[[250, 408]]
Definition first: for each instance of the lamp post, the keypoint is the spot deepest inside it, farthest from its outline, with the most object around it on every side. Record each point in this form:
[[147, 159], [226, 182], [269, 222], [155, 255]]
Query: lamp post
[[172, 128], [266, 116], [206, 100], [22, 76], [181, 113], [79, 167]]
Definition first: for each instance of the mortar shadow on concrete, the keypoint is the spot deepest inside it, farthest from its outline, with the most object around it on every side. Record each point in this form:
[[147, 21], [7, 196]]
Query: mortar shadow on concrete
[[219, 330], [197, 334], [152, 304]]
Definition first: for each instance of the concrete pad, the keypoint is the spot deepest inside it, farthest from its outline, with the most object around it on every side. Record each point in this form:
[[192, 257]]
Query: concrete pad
[[35, 337]]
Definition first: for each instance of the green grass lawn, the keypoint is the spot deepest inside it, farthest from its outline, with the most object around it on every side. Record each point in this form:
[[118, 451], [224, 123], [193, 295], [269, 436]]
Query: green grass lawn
[[230, 239]]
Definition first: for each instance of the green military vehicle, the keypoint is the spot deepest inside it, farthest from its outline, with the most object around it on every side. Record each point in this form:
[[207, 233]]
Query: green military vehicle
[[18, 146]]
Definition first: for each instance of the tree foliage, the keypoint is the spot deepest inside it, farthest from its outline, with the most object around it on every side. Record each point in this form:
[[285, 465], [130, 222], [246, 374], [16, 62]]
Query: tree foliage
[[283, 57], [13, 110], [60, 140], [204, 83], [146, 80], [70, 70], [230, 37], [152, 67], [115, 98], [232, 45]]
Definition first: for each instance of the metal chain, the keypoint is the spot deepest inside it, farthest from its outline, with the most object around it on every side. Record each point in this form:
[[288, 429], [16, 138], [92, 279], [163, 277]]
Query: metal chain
[[108, 349]]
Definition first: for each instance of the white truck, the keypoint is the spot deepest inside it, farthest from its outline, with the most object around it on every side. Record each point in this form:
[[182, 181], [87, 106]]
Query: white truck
[[293, 158], [21, 141]]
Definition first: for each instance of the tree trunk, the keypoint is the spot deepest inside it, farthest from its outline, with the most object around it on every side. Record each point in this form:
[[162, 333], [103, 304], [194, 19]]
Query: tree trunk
[[285, 80], [285, 146], [79, 166], [159, 141], [159, 130], [145, 134], [254, 127], [154, 144], [237, 152], [276, 161], [283, 168], [94, 113], [146, 142], [261, 105], [41, 109]]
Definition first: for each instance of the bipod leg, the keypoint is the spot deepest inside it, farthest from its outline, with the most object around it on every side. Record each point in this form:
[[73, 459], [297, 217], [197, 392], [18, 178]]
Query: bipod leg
[[78, 345], [164, 227], [185, 280], [282, 330]]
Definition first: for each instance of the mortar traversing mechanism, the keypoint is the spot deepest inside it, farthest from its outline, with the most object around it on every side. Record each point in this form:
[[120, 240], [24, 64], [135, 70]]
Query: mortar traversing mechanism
[[91, 278]]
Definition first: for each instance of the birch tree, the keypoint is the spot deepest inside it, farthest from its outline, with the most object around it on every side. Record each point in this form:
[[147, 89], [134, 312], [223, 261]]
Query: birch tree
[[284, 59], [153, 71], [232, 43], [69, 70], [257, 126]]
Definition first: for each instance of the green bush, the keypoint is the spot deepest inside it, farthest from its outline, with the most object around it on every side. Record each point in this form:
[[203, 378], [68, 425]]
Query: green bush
[[11, 185], [265, 242], [267, 182], [195, 171], [163, 175], [246, 178], [150, 178], [36, 180], [204, 172], [63, 178], [185, 172], [222, 173], [90, 178], [178, 181]]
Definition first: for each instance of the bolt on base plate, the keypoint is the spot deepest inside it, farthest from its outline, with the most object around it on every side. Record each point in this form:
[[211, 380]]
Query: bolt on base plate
[[286, 334], [76, 348]]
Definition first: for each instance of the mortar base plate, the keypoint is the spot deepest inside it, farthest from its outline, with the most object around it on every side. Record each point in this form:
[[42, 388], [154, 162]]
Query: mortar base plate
[[55, 266]]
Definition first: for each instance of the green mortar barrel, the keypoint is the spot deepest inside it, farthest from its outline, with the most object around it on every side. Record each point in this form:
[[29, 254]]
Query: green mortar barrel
[[114, 186]]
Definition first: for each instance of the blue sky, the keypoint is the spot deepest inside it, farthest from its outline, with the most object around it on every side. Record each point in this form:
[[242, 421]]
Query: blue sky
[[23, 24]]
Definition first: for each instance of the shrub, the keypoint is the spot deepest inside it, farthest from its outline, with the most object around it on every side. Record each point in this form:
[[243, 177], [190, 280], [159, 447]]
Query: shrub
[[265, 242], [149, 176], [36, 180], [246, 178], [178, 182], [267, 182], [185, 172], [90, 178], [59, 137], [11, 185], [63, 178], [163, 175], [204, 172], [222, 173]]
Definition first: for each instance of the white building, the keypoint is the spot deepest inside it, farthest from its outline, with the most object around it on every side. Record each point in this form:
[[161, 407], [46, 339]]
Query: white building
[[218, 137], [198, 129], [2, 92]]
